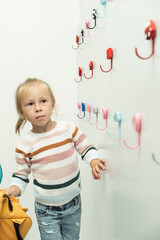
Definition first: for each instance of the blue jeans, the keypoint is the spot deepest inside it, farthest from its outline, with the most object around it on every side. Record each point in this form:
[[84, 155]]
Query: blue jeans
[[59, 223]]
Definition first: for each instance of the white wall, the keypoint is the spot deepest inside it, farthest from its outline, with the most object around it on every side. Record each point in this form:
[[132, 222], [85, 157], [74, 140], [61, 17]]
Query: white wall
[[36, 41], [124, 205]]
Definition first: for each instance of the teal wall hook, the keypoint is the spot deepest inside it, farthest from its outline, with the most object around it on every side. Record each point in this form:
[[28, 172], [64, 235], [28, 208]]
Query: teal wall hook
[[117, 118]]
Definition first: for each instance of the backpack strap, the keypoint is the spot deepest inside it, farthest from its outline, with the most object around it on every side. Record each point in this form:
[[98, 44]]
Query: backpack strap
[[16, 225]]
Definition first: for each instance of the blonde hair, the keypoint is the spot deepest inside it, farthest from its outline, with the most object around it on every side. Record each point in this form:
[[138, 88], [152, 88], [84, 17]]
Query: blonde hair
[[23, 86]]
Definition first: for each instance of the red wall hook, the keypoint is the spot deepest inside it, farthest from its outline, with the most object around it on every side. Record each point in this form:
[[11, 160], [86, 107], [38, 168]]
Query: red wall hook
[[150, 32], [109, 54], [90, 68], [80, 75], [78, 41]]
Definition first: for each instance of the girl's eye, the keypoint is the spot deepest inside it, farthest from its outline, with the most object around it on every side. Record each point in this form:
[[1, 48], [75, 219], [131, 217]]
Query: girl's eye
[[29, 104], [43, 101]]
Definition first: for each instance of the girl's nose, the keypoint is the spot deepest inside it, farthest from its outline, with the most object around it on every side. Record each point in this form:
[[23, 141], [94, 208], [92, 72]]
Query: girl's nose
[[37, 107]]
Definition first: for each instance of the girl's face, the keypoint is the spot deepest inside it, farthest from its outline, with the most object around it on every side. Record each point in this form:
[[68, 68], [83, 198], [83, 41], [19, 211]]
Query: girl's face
[[37, 107]]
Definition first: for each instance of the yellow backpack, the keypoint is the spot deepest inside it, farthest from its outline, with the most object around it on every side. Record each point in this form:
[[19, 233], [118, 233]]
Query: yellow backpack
[[14, 222]]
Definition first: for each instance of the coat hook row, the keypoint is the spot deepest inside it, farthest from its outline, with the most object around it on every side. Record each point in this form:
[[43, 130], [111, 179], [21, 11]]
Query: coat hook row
[[136, 122]]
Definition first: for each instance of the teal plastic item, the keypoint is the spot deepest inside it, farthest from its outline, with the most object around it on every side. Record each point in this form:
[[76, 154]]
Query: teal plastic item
[[103, 2], [1, 174]]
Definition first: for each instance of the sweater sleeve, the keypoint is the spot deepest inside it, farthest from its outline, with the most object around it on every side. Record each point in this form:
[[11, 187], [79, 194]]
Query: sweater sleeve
[[20, 175], [87, 150]]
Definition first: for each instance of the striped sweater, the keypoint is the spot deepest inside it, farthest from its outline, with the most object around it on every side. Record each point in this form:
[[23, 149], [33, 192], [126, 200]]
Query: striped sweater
[[52, 159]]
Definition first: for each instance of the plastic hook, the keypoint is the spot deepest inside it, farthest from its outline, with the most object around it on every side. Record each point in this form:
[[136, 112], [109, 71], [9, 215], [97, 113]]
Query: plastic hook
[[82, 36], [109, 54], [154, 159], [1, 174], [87, 24], [95, 111], [90, 68], [105, 116], [79, 108], [150, 32], [102, 2], [83, 110], [80, 75], [117, 118], [136, 122], [77, 41], [94, 17], [89, 111]]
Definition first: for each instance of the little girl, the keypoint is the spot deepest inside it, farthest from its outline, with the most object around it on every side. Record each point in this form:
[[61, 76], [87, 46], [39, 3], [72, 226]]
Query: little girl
[[49, 152]]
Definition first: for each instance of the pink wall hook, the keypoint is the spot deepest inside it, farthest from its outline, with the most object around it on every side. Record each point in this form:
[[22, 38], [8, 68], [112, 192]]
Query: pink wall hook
[[90, 68], [79, 108], [105, 116], [80, 75], [87, 28], [150, 32], [136, 122], [109, 54]]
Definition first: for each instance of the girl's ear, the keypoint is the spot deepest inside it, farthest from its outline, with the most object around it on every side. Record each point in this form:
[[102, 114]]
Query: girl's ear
[[53, 104], [21, 113]]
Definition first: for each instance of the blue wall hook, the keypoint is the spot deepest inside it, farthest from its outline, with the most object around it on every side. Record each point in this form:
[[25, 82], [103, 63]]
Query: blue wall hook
[[102, 2], [117, 118], [1, 174], [83, 110]]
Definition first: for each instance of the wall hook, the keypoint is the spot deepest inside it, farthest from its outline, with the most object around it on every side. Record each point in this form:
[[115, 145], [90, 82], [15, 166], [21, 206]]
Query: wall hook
[[109, 54], [79, 108], [83, 110], [82, 36], [150, 32], [87, 24], [105, 116], [77, 41], [89, 112], [80, 75], [94, 17], [95, 111], [136, 122], [102, 2], [117, 118], [154, 159], [1, 174], [90, 68]]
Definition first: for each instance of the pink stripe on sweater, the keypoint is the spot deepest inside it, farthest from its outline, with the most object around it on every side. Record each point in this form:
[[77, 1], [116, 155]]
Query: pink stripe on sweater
[[22, 172], [21, 161], [83, 149], [28, 143], [81, 138], [55, 157], [57, 173]]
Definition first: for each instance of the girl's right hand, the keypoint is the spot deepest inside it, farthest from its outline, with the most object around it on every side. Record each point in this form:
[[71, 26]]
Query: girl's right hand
[[14, 191]]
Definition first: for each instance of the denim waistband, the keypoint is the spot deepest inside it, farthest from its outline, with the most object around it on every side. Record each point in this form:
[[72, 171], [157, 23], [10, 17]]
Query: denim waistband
[[73, 202]]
